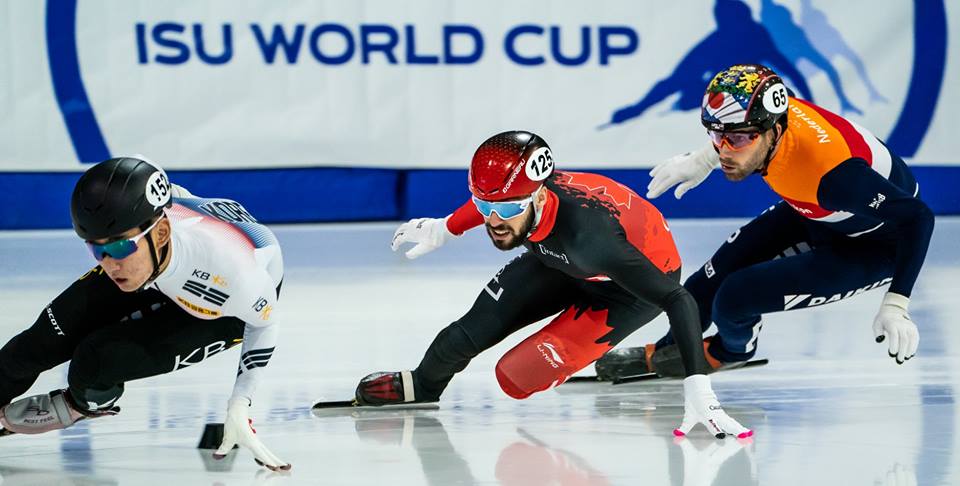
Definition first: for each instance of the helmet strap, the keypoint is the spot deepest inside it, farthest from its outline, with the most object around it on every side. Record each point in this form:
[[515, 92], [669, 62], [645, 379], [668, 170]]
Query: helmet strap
[[773, 148], [537, 212], [164, 252]]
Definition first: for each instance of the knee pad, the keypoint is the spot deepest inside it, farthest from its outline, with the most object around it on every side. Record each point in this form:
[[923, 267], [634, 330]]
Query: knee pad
[[548, 357], [531, 366]]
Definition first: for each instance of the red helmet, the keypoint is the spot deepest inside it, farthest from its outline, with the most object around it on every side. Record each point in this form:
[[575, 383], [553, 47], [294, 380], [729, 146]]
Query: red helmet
[[510, 165]]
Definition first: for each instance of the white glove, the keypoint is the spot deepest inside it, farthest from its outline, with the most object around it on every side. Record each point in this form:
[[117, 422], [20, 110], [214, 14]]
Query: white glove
[[893, 324], [238, 429], [700, 405], [428, 234], [688, 170]]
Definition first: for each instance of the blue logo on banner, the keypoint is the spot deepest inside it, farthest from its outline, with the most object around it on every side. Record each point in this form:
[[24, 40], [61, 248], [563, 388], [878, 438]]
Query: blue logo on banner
[[779, 42], [795, 47], [68, 88]]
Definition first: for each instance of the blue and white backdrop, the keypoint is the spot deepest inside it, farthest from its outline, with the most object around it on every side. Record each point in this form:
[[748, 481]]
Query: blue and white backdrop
[[370, 109]]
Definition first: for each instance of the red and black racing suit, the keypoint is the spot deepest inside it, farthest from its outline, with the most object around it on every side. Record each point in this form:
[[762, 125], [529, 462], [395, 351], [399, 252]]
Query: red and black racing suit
[[600, 256]]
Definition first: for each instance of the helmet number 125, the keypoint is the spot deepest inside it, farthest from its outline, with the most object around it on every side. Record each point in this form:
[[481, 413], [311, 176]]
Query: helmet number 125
[[540, 164]]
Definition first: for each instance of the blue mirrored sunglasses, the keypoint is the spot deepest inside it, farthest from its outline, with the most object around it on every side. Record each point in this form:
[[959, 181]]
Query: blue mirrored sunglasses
[[505, 209], [119, 249]]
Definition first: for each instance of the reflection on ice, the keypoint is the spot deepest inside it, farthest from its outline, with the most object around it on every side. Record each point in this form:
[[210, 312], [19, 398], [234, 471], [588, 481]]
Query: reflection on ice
[[828, 409]]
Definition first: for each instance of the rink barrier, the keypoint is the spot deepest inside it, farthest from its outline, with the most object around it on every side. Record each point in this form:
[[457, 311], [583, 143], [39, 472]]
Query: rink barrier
[[35, 200]]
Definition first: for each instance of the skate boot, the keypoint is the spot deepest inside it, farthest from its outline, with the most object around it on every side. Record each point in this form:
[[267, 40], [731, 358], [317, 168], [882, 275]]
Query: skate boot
[[43, 413], [618, 363], [388, 388], [667, 363]]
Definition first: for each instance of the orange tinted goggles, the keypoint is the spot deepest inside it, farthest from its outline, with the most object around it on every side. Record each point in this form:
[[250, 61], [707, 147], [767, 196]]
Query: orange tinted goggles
[[733, 140]]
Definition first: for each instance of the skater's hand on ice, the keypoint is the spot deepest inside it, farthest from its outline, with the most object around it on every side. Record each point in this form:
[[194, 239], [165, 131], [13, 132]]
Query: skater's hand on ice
[[688, 170], [428, 234], [700, 405], [238, 429], [893, 324]]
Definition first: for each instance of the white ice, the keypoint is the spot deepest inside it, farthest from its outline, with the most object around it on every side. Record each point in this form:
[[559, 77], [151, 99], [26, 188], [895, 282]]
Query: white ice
[[830, 409]]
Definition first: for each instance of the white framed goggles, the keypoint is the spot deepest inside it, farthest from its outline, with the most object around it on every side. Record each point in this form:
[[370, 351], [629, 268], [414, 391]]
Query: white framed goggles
[[119, 249], [504, 209]]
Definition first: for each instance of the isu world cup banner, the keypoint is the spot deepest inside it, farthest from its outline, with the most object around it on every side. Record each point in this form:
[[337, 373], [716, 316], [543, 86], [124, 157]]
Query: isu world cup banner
[[420, 83]]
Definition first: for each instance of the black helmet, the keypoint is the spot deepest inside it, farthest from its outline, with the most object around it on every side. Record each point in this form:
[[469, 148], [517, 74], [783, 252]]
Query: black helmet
[[742, 96], [117, 195]]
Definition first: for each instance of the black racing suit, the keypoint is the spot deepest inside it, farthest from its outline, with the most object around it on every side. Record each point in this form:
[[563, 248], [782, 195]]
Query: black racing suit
[[110, 337]]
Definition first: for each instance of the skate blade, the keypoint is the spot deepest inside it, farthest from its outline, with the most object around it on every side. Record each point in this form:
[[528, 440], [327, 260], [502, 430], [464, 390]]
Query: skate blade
[[653, 376], [585, 379], [326, 408]]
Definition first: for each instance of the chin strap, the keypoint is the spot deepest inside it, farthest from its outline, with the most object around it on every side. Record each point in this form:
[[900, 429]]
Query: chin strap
[[773, 147], [153, 256], [537, 213]]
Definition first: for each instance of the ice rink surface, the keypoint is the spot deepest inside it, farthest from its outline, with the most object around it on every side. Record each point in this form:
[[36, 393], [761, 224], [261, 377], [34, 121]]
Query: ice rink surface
[[830, 409]]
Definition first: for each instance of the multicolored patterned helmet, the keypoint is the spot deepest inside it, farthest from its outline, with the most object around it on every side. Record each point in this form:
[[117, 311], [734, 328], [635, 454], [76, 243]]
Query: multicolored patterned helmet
[[744, 96]]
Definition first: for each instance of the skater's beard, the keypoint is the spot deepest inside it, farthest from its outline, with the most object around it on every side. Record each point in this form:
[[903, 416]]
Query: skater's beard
[[517, 232]]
